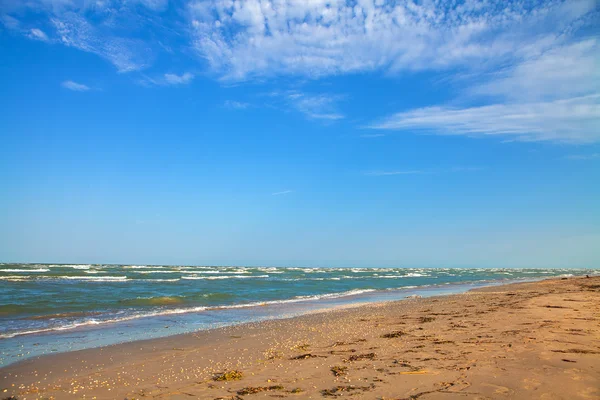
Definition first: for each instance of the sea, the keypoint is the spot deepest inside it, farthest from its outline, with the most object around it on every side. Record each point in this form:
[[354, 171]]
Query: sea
[[49, 308]]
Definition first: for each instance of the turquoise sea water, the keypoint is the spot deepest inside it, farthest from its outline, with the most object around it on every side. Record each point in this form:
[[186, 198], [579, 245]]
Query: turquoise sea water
[[42, 304]]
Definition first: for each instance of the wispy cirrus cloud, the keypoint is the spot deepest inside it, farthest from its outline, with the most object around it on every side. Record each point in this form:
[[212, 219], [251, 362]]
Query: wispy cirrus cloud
[[563, 71], [421, 171], [535, 75], [245, 38], [316, 106], [550, 93], [282, 192], [533, 55], [575, 120], [320, 106], [126, 54], [37, 34], [183, 79], [74, 86], [110, 29], [168, 79]]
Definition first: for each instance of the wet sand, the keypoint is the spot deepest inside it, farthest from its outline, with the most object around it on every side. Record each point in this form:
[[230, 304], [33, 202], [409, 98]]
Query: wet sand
[[522, 341]]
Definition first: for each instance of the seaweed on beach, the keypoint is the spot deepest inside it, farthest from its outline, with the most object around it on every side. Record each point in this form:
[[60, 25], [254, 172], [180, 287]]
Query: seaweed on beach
[[339, 370], [258, 389], [403, 364], [341, 344], [360, 357], [577, 351], [348, 343], [342, 352], [296, 391], [233, 375], [439, 341], [301, 347], [426, 319], [338, 390], [305, 356], [394, 334]]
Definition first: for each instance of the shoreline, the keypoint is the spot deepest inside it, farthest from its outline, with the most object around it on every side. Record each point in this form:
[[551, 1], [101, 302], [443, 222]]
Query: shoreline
[[168, 324], [267, 352]]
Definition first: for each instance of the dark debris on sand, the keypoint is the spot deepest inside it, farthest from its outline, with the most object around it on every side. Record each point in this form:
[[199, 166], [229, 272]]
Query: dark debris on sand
[[229, 376], [339, 390], [258, 389]]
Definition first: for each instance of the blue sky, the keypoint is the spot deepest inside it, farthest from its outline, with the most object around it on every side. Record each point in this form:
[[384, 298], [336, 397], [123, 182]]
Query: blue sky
[[289, 132]]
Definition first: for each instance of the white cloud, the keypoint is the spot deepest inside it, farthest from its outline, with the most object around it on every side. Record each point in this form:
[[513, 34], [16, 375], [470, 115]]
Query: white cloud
[[242, 39], [37, 34], [564, 71], [125, 54], [525, 56], [554, 95], [575, 120], [538, 56], [319, 106], [77, 87], [109, 29], [183, 79], [168, 80], [281, 193], [316, 106], [245, 38]]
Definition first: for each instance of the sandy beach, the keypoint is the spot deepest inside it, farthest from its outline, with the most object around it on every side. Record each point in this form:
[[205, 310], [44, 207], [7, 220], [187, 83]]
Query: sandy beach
[[536, 340]]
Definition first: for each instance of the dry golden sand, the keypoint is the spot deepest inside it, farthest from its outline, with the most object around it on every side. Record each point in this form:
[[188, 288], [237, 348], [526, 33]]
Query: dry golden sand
[[523, 341]]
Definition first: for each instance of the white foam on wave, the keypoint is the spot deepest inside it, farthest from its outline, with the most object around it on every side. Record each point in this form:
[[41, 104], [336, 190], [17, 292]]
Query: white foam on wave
[[96, 278], [15, 278], [74, 266], [79, 266], [211, 271], [161, 312], [224, 277], [335, 278], [98, 322], [160, 271], [25, 270], [348, 277], [158, 280], [273, 270]]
